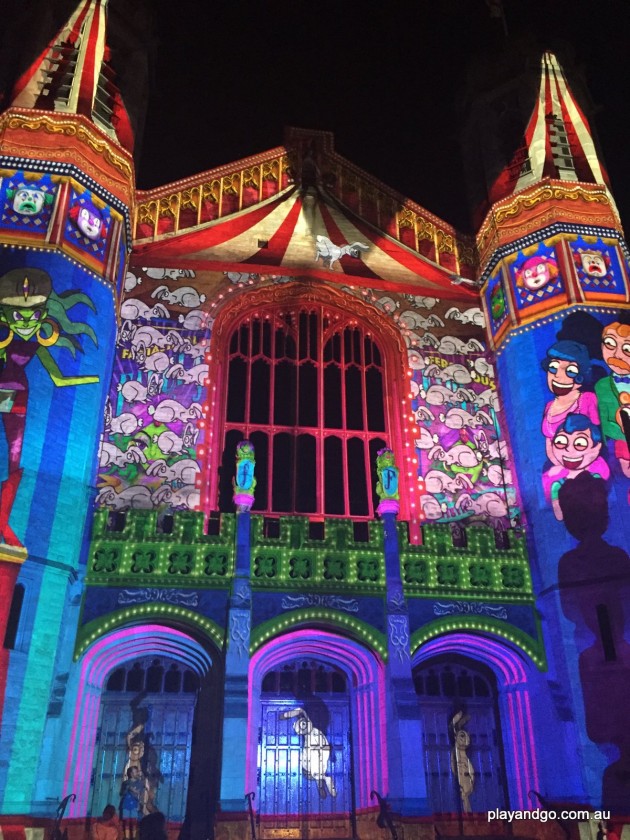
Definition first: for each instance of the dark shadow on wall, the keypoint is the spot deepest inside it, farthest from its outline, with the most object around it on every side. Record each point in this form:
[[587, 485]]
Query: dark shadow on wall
[[594, 584]]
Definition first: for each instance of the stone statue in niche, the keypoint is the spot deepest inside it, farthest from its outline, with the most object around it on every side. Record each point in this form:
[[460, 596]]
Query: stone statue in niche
[[461, 765]]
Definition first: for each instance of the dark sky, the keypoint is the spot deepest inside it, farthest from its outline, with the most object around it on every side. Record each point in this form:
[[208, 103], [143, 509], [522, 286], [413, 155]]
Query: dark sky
[[389, 79]]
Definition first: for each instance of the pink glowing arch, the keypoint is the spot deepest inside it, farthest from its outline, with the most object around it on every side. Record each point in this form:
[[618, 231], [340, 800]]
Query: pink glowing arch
[[366, 672], [99, 660], [513, 675]]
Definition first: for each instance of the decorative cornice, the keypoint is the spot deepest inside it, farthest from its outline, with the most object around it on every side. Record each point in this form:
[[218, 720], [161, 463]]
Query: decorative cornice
[[505, 212], [77, 126]]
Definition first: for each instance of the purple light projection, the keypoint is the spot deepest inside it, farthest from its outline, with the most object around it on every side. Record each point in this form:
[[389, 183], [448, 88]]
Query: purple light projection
[[514, 701], [367, 674], [99, 661]]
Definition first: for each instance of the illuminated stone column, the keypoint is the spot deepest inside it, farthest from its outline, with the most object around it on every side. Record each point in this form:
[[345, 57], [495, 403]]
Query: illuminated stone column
[[63, 252], [235, 708], [556, 303], [407, 792]]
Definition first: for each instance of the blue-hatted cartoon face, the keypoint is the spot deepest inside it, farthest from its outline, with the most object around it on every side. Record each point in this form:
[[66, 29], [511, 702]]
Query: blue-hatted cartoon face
[[574, 450]]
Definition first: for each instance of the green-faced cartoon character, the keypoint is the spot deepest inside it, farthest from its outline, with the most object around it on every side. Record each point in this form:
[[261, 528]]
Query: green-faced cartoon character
[[32, 319]]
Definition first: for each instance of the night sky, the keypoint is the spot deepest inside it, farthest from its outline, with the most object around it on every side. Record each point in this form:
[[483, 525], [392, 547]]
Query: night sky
[[390, 80]]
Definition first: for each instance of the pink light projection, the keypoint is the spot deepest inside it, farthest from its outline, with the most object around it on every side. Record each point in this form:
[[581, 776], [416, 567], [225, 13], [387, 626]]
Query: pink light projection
[[99, 660], [367, 676], [511, 672]]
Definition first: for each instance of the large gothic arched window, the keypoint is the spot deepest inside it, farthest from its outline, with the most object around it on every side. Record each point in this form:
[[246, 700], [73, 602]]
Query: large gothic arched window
[[307, 384]]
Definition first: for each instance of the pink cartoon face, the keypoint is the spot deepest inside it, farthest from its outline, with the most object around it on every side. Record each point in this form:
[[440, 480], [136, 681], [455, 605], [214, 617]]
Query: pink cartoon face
[[593, 264], [536, 272], [89, 223], [574, 450]]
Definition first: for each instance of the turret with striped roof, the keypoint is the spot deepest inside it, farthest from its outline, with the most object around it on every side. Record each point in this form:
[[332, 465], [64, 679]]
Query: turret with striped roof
[[66, 192], [554, 276]]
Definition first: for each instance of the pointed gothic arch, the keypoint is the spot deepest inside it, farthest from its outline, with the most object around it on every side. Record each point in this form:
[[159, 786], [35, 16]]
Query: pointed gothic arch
[[365, 673], [514, 676], [329, 371], [98, 662]]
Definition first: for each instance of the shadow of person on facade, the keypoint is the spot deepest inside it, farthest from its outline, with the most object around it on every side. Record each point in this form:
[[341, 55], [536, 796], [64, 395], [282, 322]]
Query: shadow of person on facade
[[594, 585], [154, 777]]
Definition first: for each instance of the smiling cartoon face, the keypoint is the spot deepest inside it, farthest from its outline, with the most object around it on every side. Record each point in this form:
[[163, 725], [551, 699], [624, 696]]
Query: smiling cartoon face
[[562, 376], [28, 202], [574, 450], [616, 348], [23, 321], [89, 223]]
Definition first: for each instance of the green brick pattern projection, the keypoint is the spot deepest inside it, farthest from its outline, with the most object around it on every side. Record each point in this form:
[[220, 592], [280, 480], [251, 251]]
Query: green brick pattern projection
[[337, 562], [480, 570], [139, 554], [31, 717]]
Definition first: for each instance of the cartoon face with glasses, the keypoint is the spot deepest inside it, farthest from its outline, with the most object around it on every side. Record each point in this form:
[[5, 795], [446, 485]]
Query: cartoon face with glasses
[[575, 448]]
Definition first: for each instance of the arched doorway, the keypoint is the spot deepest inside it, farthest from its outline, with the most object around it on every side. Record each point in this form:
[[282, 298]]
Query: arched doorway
[[305, 752], [146, 721], [341, 683], [516, 680], [458, 695], [117, 669]]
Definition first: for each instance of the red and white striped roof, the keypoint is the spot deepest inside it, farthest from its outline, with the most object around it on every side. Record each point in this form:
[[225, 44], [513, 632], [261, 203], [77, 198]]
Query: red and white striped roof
[[558, 140], [82, 41], [304, 232]]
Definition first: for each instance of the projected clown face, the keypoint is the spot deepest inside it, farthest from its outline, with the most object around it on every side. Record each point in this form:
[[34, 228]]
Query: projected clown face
[[28, 202], [593, 264], [89, 222], [574, 451], [536, 272]]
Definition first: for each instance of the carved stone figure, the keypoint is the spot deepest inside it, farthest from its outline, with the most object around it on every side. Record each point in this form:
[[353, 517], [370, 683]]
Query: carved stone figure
[[461, 765]]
